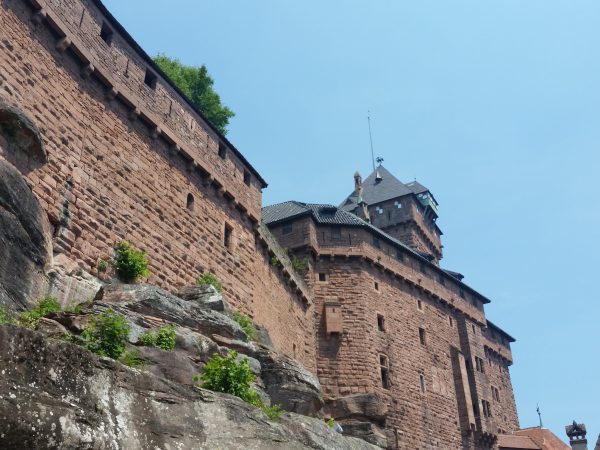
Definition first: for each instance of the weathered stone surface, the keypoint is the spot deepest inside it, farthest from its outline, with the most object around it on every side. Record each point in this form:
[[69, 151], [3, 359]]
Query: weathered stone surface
[[71, 321], [50, 328], [363, 406], [289, 384], [247, 348], [154, 301], [21, 133], [366, 431], [24, 241], [195, 344], [171, 365], [55, 395], [205, 295], [70, 284]]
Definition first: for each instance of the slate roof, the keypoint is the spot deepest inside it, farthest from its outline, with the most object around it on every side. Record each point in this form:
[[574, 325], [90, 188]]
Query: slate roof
[[416, 187], [389, 187]]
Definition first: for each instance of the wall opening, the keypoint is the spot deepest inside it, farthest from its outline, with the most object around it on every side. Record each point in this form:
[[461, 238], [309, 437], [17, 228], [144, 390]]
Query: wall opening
[[227, 236], [322, 276], [189, 204], [247, 178], [384, 367], [380, 322], [222, 151], [106, 33], [422, 382], [150, 79], [419, 305], [422, 337], [287, 228]]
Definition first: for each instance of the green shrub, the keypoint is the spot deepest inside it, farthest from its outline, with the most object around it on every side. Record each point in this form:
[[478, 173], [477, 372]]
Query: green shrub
[[209, 278], [6, 316], [274, 261], [226, 374], [106, 334], [129, 262], [163, 338], [102, 266], [132, 359], [30, 319], [299, 265], [331, 422], [246, 323]]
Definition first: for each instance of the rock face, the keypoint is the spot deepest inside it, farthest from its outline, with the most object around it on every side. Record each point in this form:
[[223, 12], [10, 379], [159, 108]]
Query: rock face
[[55, 395], [205, 295], [154, 301], [24, 242], [289, 384]]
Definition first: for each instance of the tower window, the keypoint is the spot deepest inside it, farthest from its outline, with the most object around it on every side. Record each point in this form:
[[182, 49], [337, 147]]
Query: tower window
[[227, 236], [106, 33], [376, 286], [150, 79], [441, 279], [423, 268], [422, 382], [322, 276], [287, 228], [336, 232], [380, 322], [189, 204], [451, 321], [222, 151], [422, 336], [420, 305], [247, 178], [384, 366]]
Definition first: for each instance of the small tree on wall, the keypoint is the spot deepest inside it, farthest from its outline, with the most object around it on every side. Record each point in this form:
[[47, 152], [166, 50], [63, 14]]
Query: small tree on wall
[[129, 263]]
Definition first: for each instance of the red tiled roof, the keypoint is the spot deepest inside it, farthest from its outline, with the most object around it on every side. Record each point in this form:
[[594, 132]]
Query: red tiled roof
[[516, 443]]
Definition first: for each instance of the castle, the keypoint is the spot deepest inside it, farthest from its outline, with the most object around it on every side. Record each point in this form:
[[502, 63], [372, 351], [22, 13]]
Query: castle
[[403, 349]]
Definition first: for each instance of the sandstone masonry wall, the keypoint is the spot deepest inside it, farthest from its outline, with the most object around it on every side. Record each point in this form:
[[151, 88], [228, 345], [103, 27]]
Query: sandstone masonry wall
[[125, 159]]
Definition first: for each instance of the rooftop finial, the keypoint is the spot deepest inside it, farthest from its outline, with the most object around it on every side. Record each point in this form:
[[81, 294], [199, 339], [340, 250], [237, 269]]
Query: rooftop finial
[[371, 139], [540, 415]]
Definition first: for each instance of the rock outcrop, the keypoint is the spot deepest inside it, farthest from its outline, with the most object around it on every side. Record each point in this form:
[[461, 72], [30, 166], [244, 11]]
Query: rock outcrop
[[55, 395], [24, 241]]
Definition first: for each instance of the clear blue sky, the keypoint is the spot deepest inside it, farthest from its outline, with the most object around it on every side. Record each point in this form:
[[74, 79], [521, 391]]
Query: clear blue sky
[[494, 105]]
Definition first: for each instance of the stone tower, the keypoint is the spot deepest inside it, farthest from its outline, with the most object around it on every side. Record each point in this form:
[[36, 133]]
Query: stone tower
[[407, 212]]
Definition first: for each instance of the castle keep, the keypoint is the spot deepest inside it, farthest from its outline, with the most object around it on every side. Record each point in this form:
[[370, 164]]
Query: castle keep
[[402, 347]]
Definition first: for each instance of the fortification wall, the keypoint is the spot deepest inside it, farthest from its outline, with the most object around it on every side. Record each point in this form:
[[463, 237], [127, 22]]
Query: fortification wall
[[131, 161]]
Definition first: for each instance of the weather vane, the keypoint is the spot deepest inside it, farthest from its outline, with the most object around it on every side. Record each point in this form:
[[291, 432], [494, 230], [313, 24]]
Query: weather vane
[[379, 160], [540, 414]]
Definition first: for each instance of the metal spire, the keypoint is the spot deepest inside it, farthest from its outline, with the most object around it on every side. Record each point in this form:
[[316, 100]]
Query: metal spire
[[371, 139], [540, 415]]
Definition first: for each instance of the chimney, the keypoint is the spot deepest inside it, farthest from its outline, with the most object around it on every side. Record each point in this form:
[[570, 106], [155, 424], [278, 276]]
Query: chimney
[[363, 210], [576, 433], [598, 443], [378, 177]]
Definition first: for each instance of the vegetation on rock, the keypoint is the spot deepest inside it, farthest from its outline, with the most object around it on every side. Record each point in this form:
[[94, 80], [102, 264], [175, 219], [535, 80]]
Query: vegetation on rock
[[132, 359], [246, 324], [228, 375], [30, 319], [197, 85], [163, 338], [129, 262], [106, 334], [209, 279]]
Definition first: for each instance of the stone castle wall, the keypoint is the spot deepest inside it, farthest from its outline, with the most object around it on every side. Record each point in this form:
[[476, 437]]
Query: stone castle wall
[[436, 387], [131, 161]]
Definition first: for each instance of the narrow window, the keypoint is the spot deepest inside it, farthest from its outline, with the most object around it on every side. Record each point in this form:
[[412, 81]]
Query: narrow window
[[422, 336], [322, 276], [227, 236], [106, 33], [190, 202], [451, 321], [222, 151], [474, 329], [376, 243], [336, 232], [287, 228], [150, 79], [422, 382], [441, 279], [422, 268], [247, 178], [380, 322], [385, 371], [399, 255], [376, 286], [420, 305]]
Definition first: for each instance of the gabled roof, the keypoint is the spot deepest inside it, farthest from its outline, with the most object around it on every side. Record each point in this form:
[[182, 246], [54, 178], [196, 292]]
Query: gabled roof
[[332, 215], [376, 192], [506, 442]]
